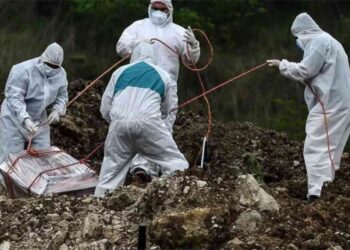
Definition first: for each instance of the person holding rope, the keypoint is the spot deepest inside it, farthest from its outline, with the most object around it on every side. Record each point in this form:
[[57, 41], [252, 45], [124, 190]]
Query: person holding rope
[[32, 87], [325, 71], [133, 103], [160, 25]]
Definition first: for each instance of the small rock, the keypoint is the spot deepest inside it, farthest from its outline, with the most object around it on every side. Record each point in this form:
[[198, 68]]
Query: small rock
[[98, 245], [5, 245], [296, 163], [201, 184], [313, 243], [120, 201], [56, 241], [236, 241], [335, 248], [155, 248], [53, 217], [63, 247], [64, 226], [251, 194], [281, 189], [219, 180], [186, 189], [67, 216], [88, 200], [249, 221], [292, 247], [92, 227]]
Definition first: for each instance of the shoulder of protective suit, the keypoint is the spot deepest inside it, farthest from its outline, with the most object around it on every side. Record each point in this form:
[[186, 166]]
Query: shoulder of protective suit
[[140, 22], [177, 27], [26, 65], [162, 73], [321, 42]]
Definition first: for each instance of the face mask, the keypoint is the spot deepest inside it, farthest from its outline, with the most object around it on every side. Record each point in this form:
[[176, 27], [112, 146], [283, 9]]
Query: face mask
[[297, 42], [48, 71], [158, 17]]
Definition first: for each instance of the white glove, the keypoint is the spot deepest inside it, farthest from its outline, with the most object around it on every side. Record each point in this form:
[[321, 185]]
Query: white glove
[[30, 126], [273, 63], [54, 117], [189, 37]]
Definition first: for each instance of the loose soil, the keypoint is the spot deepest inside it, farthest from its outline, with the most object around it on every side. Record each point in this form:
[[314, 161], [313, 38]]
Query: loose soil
[[233, 149]]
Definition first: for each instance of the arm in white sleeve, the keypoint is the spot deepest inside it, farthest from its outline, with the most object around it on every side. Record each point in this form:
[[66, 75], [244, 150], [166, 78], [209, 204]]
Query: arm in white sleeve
[[62, 99], [309, 67], [128, 40], [15, 91], [169, 102], [108, 95], [107, 99]]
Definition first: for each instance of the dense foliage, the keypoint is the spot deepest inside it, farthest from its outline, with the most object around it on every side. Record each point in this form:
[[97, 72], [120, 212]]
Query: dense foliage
[[244, 32]]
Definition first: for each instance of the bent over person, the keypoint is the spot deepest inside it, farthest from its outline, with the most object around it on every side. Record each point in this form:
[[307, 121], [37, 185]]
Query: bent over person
[[134, 101], [325, 71], [32, 87]]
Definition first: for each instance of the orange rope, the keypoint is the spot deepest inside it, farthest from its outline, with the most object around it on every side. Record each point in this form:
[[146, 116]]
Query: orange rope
[[218, 86], [326, 127], [95, 81], [196, 69]]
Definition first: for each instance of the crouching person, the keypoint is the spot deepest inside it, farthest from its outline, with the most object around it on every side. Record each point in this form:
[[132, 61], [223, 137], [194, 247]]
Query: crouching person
[[134, 101]]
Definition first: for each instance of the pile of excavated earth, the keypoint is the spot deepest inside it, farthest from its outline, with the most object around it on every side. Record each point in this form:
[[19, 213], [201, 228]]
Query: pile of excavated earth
[[249, 195]]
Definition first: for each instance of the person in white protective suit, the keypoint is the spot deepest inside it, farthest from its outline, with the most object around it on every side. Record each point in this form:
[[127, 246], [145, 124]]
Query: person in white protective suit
[[325, 71], [134, 101], [160, 25], [33, 86]]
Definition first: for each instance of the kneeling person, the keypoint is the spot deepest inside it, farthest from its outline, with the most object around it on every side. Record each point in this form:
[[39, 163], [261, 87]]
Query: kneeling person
[[134, 101]]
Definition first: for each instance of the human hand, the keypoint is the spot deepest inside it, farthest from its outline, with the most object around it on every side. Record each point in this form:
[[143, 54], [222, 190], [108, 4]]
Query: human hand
[[30, 126], [54, 117], [189, 37], [273, 63]]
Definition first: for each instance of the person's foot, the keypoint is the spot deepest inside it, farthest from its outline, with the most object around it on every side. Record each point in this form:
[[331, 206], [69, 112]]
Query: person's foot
[[140, 177]]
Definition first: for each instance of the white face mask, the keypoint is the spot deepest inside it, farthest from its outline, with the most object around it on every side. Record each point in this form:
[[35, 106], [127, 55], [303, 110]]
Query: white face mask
[[158, 17], [48, 71]]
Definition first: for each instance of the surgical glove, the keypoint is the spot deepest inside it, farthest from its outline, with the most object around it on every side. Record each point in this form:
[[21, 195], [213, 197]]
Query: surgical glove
[[273, 63], [189, 37], [30, 126], [54, 117]]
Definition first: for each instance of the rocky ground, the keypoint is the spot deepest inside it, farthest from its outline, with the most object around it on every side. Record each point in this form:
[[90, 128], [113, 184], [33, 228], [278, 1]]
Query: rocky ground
[[219, 207]]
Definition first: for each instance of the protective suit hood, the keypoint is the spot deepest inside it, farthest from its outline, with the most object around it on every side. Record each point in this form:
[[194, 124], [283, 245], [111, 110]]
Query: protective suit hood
[[305, 28], [168, 4], [143, 52], [53, 54]]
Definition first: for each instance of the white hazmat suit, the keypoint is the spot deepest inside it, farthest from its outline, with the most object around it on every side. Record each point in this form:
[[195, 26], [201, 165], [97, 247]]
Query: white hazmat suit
[[325, 68], [32, 86], [133, 103], [173, 35]]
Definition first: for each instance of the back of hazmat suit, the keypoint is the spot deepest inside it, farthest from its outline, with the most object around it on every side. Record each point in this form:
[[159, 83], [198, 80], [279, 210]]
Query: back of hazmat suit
[[134, 101], [325, 68], [32, 86], [160, 25]]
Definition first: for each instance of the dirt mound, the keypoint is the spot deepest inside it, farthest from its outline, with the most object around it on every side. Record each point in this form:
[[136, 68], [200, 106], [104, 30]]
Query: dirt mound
[[197, 209]]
